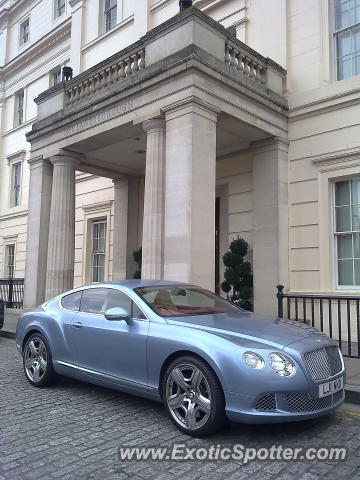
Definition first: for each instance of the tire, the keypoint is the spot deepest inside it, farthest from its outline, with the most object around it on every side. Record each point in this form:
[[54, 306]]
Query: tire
[[193, 397], [37, 361]]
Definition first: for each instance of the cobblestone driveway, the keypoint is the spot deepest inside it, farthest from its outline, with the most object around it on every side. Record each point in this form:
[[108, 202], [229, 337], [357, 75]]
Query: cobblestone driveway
[[73, 431]]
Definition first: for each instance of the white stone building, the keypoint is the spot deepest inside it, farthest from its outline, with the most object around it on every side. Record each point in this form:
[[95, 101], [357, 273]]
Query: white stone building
[[167, 112]]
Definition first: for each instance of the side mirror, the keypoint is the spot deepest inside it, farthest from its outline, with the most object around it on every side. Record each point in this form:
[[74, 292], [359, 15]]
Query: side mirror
[[116, 314]]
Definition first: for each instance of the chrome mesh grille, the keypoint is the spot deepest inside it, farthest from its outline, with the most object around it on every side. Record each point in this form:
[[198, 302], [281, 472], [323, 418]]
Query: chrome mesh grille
[[303, 402], [266, 402], [324, 362]]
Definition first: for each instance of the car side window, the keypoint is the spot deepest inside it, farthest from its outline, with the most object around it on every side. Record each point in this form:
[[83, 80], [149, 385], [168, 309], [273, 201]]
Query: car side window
[[72, 301], [99, 300], [137, 313]]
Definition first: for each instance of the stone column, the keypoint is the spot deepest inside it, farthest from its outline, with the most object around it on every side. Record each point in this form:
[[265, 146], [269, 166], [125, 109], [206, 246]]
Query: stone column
[[121, 201], [41, 173], [270, 244], [61, 248], [153, 224], [189, 238], [126, 216]]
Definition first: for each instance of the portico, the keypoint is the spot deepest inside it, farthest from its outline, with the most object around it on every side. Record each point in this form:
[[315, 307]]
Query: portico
[[165, 109]]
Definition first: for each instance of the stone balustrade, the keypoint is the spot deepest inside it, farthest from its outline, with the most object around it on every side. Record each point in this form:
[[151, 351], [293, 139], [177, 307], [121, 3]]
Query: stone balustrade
[[112, 73], [240, 58]]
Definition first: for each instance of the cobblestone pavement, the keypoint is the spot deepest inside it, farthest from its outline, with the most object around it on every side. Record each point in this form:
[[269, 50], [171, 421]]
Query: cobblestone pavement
[[74, 430]]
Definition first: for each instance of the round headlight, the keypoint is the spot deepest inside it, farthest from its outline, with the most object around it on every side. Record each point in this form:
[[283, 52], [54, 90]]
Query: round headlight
[[253, 360], [282, 364]]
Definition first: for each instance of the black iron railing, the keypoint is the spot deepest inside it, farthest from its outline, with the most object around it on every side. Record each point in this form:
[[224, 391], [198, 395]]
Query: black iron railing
[[337, 316], [12, 292]]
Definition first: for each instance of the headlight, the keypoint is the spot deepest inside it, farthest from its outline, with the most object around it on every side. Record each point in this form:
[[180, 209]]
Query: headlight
[[253, 360], [282, 364]]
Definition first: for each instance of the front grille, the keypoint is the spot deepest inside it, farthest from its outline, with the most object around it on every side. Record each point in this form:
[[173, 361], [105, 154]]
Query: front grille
[[303, 402], [266, 402], [324, 362]]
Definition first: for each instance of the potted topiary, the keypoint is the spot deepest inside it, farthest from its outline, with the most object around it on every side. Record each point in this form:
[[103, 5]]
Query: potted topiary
[[238, 283]]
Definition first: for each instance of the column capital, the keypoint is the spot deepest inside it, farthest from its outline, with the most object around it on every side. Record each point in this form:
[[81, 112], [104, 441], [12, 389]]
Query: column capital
[[154, 124], [64, 159], [271, 144], [39, 161], [188, 105]]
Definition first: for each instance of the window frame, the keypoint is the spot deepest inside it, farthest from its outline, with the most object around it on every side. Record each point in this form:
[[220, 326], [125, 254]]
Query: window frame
[[21, 41], [53, 74], [56, 13], [7, 245], [13, 166], [106, 11], [18, 121], [336, 234], [92, 253], [336, 34]]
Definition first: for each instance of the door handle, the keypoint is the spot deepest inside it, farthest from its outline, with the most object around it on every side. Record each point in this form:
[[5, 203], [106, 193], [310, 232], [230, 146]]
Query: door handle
[[77, 325]]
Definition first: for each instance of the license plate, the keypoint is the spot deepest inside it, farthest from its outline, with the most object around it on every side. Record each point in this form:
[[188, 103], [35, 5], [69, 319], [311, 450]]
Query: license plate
[[330, 387]]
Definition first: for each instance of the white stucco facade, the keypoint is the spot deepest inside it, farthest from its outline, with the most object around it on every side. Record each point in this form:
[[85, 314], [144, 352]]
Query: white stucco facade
[[274, 167]]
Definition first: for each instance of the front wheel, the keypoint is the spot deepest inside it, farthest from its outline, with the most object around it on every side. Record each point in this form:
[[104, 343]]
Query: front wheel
[[193, 397], [37, 361]]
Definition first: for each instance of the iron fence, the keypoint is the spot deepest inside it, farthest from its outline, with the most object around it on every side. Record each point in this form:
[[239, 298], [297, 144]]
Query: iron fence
[[12, 292], [336, 315]]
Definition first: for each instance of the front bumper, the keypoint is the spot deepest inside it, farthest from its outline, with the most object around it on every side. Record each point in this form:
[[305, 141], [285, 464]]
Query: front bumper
[[281, 407]]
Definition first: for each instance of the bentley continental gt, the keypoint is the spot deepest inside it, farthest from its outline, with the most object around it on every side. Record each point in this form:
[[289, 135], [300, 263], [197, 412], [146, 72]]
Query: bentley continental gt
[[203, 357]]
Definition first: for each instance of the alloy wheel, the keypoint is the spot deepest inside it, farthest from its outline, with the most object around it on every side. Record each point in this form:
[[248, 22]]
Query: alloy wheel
[[35, 359], [188, 396]]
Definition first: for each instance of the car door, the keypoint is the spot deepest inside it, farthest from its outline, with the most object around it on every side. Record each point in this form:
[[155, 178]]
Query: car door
[[110, 350]]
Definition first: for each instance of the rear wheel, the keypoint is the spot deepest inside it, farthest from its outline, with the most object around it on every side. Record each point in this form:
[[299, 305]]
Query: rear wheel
[[37, 361], [193, 397]]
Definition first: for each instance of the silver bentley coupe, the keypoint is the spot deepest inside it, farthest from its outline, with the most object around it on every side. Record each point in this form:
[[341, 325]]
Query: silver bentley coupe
[[179, 344]]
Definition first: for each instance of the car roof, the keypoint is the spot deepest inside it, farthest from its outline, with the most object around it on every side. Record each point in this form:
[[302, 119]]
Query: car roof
[[132, 284]]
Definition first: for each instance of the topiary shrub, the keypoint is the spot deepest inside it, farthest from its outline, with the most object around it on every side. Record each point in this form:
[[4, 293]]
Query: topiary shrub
[[238, 283], [137, 254]]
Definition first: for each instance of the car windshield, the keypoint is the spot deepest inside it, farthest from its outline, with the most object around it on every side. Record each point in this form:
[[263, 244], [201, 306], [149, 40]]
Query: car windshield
[[180, 301]]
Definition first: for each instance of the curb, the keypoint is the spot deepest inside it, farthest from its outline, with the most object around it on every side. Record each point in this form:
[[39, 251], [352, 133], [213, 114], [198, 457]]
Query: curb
[[6, 334]]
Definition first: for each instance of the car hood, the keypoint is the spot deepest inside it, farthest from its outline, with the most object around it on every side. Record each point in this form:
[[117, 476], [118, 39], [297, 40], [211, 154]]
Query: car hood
[[276, 331]]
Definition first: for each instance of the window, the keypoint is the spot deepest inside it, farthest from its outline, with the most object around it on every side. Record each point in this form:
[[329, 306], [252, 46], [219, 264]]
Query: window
[[98, 243], [15, 185], [347, 37], [110, 12], [99, 300], [72, 301], [19, 108], [347, 231], [175, 301], [24, 32], [10, 260], [56, 76], [59, 8]]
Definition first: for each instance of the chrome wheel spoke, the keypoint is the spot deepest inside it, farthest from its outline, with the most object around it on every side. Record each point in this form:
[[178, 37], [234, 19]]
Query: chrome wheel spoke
[[33, 349], [176, 401], [29, 362], [203, 403], [36, 374], [196, 379], [42, 364], [190, 416], [178, 378]]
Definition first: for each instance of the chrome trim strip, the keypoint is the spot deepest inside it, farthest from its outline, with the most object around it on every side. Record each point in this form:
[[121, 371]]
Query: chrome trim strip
[[111, 377]]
